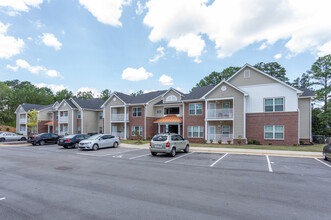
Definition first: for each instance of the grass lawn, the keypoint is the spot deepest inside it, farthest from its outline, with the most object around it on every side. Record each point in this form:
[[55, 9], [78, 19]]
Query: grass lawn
[[133, 142], [312, 148]]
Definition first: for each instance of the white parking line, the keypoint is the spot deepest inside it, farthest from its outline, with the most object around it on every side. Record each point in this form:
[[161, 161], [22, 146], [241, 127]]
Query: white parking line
[[138, 156], [322, 162], [269, 164], [218, 160], [3, 198], [103, 155], [178, 157]]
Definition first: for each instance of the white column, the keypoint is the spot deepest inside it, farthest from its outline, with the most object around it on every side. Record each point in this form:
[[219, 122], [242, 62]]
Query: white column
[[206, 123], [179, 129], [183, 120], [82, 121], [72, 121], [159, 129], [124, 122], [145, 108]]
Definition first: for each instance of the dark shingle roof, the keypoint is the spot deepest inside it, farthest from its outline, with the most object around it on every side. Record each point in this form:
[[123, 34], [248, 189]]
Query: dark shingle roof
[[70, 103], [30, 107], [94, 103], [198, 92], [306, 92], [144, 98], [168, 103]]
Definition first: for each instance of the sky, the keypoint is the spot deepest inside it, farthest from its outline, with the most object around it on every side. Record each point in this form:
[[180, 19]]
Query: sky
[[131, 45]]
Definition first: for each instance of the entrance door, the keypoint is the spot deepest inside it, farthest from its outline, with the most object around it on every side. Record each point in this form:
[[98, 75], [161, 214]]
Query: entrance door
[[226, 131], [212, 110], [114, 130], [226, 108], [173, 129], [212, 133]]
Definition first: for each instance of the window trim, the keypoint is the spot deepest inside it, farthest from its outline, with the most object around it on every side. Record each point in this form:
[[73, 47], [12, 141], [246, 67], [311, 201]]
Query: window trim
[[273, 104], [274, 133], [100, 115], [195, 108], [79, 113], [199, 131], [141, 112], [172, 100]]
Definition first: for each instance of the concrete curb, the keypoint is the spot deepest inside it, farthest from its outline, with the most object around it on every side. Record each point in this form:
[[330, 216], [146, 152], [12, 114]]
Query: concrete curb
[[240, 151]]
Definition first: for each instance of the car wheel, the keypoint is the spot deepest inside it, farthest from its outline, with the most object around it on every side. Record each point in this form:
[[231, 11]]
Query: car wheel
[[65, 147], [173, 152], [2, 139], [115, 145], [76, 145], [42, 143], [324, 156], [95, 147], [154, 153], [34, 144], [187, 149], [23, 139]]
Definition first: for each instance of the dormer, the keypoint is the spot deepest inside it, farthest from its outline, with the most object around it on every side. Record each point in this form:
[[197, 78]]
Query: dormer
[[172, 96]]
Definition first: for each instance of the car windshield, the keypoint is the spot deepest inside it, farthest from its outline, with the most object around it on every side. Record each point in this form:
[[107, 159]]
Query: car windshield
[[69, 136], [160, 138], [94, 137]]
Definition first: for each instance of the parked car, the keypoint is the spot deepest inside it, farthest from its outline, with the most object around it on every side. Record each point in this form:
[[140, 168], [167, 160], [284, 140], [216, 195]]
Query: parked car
[[6, 136], [99, 141], [168, 143], [327, 152], [44, 138], [72, 140]]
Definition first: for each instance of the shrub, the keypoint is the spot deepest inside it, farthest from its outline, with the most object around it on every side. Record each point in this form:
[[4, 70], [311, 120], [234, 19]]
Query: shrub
[[204, 141], [0, 129], [302, 143], [211, 141], [257, 142], [229, 142], [239, 142], [294, 145], [250, 142], [148, 138], [139, 138], [254, 141], [270, 143], [7, 129], [220, 141]]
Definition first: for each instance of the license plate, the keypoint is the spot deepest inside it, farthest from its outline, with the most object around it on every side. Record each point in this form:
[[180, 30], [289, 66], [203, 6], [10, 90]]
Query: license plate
[[158, 146], [61, 141]]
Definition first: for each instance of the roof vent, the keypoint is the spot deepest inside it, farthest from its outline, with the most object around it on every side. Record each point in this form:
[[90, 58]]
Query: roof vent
[[247, 74]]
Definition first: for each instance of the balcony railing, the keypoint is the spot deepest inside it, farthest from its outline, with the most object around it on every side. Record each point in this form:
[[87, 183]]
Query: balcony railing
[[220, 113], [223, 137], [119, 117], [63, 119], [23, 120], [118, 134]]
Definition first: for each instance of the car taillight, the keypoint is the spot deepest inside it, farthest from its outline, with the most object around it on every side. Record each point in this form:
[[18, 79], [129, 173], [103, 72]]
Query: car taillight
[[119, 138], [168, 144], [35, 137], [150, 143], [67, 140]]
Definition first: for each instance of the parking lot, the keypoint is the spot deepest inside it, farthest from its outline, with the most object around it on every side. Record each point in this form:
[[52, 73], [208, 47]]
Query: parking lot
[[126, 183]]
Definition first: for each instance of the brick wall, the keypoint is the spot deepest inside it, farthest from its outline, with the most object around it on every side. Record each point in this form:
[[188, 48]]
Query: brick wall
[[42, 127], [194, 120], [151, 127], [55, 123], [255, 123], [136, 121]]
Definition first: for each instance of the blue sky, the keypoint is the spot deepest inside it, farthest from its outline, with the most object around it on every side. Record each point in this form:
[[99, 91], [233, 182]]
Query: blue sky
[[126, 45]]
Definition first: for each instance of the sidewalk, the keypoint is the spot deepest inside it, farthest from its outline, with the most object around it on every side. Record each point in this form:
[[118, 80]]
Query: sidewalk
[[240, 151]]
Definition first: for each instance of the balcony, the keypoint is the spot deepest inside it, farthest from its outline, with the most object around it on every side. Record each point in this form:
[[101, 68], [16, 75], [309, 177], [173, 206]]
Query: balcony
[[220, 113], [118, 134], [119, 117], [63, 119], [223, 137], [23, 120]]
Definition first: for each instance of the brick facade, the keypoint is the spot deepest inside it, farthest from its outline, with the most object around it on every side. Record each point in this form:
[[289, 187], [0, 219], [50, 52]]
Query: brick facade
[[42, 127], [136, 121], [55, 123], [194, 120], [151, 127], [255, 123]]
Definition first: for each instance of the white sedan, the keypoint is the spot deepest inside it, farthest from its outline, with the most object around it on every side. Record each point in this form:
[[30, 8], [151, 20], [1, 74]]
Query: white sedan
[[6, 136], [99, 141]]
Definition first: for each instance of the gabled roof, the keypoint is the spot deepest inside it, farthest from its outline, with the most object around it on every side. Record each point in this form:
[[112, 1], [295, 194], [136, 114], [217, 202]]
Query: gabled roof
[[226, 82], [71, 105], [306, 93], [29, 107], [93, 104], [265, 74], [198, 93], [175, 90]]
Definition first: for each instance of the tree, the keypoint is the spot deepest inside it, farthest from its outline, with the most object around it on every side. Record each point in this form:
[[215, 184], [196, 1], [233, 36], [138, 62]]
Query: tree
[[303, 82], [105, 94], [140, 92], [273, 69], [5, 96], [216, 77], [85, 95], [32, 120], [63, 94], [321, 74]]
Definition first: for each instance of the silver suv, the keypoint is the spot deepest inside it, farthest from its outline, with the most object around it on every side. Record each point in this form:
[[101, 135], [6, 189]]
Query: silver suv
[[168, 143]]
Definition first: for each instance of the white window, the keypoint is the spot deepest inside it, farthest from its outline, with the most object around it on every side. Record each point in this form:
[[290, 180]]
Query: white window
[[65, 114], [22, 116], [195, 109], [274, 132], [247, 73], [100, 130], [79, 114], [65, 128], [195, 131], [100, 115], [137, 128], [56, 115], [274, 105], [22, 128], [171, 98], [226, 130], [136, 112]]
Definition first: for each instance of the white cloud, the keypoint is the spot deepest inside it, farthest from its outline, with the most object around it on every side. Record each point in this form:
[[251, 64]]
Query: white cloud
[[325, 49], [140, 8], [23, 64], [166, 80], [191, 44], [51, 41], [106, 11], [9, 46], [179, 89], [133, 74], [14, 6], [53, 87], [263, 46], [87, 89], [160, 53], [278, 56], [29, 38], [305, 25], [148, 91]]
